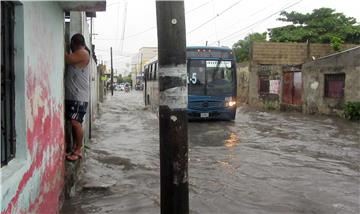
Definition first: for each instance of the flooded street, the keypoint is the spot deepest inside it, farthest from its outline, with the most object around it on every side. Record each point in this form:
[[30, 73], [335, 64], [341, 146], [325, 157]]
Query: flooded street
[[263, 162]]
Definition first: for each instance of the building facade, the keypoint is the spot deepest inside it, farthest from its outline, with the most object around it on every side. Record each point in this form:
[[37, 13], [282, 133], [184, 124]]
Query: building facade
[[331, 81], [140, 59], [242, 74], [275, 79], [33, 140]]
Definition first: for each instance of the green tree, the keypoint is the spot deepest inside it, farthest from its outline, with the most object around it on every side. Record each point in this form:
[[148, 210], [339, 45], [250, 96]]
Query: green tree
[[323, 25], [128, 79], [242, 47], [120, 79]]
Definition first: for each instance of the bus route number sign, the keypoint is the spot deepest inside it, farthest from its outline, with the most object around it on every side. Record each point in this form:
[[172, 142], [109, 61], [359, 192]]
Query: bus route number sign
[[192, 78]]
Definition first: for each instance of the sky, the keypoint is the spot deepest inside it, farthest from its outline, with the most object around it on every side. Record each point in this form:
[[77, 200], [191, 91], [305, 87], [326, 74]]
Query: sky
[[234, 20]]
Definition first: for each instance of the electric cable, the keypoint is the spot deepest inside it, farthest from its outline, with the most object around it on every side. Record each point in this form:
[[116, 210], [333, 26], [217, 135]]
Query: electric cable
[[213, 18], [228, 37], [154, 27]]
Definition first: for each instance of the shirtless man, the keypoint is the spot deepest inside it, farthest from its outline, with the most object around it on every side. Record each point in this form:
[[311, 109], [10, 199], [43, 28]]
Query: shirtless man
[[77, 91]]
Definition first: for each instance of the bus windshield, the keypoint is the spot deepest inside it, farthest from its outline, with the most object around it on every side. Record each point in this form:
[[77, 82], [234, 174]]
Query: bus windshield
[[219, 78], [211, 77]]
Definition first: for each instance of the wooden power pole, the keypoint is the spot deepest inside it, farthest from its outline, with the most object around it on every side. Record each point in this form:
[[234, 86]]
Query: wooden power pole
[[173, 105], [112, 74]]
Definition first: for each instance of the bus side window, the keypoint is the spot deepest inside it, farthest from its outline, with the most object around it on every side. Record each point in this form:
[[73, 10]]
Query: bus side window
[[146, 74], [151, 72], [157, 66], [155, 71]]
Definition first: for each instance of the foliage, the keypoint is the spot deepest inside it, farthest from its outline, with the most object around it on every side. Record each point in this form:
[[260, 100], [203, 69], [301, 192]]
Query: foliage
[[126, 79], [120, 79], [336, 43], [323, 25], [242, 47], [352, 110], [269, 105]]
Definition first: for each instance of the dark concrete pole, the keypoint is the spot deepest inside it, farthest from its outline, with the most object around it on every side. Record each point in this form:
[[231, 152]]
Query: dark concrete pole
[[112, 74], [173, 105]]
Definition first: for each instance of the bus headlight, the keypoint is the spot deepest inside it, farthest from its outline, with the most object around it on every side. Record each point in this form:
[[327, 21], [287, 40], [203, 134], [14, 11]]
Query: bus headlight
[[230, 103]]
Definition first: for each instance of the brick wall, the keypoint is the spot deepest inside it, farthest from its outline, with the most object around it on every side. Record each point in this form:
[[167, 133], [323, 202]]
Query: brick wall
[[289, 53]]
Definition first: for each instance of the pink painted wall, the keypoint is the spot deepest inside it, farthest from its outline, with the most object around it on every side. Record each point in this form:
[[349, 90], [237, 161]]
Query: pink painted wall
[[33, 181]]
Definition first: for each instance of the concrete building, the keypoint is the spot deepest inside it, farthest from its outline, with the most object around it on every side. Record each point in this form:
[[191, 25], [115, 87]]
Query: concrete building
[[331, 81], [242, 75], [142, 57], [33, 141], [275, 80]]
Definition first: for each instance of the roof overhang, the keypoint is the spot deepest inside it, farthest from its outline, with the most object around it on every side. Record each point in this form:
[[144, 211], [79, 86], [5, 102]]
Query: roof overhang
[[87, 6]]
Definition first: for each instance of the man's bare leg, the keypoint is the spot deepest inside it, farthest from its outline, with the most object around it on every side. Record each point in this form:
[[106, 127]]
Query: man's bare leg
[[78, 134]]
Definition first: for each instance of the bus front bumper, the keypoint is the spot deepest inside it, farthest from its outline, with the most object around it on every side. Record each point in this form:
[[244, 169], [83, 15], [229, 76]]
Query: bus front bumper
[[220, 114]]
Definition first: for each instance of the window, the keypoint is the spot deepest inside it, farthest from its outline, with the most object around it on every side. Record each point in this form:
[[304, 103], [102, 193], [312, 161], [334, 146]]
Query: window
[[264, 84], [334, 85], [151, 72], [220, 78], [155, 72], [7, 83], [146, 73]]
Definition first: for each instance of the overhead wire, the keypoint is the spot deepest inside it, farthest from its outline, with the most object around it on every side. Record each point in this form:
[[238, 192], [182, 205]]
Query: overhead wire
[[117, 24], [242, 18], [154, 27], [237, 21], [214, 17], [230, 36], [215, 22]]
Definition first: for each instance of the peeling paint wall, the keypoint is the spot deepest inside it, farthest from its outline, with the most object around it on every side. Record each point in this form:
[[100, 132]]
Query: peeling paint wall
[[314, 72], [33, 181], [243, 71]]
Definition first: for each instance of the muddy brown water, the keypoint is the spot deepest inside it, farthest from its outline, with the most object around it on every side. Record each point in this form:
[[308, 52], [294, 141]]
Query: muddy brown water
[[263, 162]]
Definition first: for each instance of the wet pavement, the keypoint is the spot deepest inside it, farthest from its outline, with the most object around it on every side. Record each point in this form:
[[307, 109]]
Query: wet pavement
[[263, 162]]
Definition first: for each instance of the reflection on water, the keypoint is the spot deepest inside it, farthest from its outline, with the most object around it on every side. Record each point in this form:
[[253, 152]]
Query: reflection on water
[[232, 141]]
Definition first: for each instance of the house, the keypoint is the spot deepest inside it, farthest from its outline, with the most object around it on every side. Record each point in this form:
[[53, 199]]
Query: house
[[331, 81], [32, 105], [275, 73]]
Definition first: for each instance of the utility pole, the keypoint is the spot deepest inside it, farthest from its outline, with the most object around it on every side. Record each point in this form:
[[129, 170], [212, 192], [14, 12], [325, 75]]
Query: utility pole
[[112, 74], [173, 106]]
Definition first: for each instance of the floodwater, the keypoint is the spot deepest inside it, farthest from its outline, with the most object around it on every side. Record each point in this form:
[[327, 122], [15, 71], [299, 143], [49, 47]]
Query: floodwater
[[263, 162]]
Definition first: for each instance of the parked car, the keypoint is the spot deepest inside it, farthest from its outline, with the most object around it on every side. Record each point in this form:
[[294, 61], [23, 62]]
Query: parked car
[[121, 87]]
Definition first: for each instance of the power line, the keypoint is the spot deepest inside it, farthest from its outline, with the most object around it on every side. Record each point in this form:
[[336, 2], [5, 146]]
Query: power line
[[114, 4], [139, 33], [154, 27], [196, 8], [251, 15], [117, 23], [241, 19], [215, 24], [217, 15], [257, 22]]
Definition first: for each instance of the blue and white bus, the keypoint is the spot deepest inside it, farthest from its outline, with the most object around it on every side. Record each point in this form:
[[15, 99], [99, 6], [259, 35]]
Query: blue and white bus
[[211, 83]]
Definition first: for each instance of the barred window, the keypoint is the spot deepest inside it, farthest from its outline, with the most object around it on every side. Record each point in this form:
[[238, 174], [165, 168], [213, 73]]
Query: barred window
[[334, 85], [7, 83], [264, 84]]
